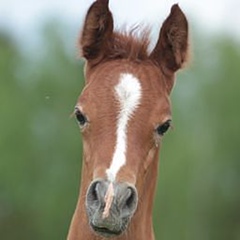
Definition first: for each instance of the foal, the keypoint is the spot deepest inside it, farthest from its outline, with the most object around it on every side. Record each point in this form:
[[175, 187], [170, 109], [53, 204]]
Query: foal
[[123, 113]]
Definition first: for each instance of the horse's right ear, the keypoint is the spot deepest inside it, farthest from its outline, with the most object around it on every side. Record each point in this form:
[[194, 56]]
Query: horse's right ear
[[97, 30]]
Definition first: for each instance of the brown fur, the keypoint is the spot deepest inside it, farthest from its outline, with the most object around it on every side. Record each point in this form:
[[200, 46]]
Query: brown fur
[[109, 54], [129, 46]]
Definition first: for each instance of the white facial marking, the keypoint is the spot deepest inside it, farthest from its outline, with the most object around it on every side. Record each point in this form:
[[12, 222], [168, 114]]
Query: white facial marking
[[128, 93]]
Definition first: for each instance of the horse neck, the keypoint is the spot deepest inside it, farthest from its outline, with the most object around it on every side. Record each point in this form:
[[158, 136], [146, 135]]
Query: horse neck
[[140, 228]]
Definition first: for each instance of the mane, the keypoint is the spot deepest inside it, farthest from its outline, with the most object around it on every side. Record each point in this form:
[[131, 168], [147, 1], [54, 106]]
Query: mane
[[132, 45]]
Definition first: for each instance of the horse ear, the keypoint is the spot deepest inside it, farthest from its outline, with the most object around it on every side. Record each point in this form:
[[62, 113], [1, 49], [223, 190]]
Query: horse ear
[[97, 30], [171, 49]]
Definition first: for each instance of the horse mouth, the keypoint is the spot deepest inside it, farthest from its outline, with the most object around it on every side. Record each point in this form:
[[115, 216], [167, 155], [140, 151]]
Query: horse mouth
[[105, 231]]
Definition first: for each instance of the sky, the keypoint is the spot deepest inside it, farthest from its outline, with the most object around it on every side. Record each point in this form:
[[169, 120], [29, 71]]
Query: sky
[[25, 16]]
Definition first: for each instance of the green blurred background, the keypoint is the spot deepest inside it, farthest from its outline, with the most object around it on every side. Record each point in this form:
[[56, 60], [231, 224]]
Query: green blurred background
[[198, 195]]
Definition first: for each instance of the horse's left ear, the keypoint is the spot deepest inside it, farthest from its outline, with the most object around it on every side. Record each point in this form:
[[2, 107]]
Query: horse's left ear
[[171, 50]]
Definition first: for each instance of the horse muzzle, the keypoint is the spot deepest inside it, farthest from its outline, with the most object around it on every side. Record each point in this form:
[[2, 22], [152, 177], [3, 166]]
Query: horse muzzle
[[110, 206]]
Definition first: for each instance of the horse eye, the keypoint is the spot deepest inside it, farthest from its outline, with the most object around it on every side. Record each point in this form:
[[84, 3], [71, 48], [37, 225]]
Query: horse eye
[[81, 118], [164, 127]]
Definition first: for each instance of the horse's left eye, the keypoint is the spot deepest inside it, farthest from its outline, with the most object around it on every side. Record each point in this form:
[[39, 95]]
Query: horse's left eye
[[81, 118], [164, 127]]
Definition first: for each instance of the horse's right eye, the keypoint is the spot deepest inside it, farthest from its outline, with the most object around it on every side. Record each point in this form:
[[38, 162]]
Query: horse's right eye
[[81, 118]]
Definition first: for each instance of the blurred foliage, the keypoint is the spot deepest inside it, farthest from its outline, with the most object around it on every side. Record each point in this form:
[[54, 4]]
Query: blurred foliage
[[198, 193], [40, 146]]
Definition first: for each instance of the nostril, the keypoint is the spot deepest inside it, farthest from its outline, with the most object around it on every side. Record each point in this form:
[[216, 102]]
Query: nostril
[[95, 198], [131, 199], [92, 194]]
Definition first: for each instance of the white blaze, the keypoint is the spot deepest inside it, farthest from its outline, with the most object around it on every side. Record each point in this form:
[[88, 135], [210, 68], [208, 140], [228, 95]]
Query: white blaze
[[128, 94]]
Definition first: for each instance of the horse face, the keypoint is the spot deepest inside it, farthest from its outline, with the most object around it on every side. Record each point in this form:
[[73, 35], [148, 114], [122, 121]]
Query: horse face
[[123, 112]]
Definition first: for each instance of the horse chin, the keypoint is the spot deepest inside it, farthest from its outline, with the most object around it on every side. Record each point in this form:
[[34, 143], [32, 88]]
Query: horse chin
[[109, 228], [105, 232]]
